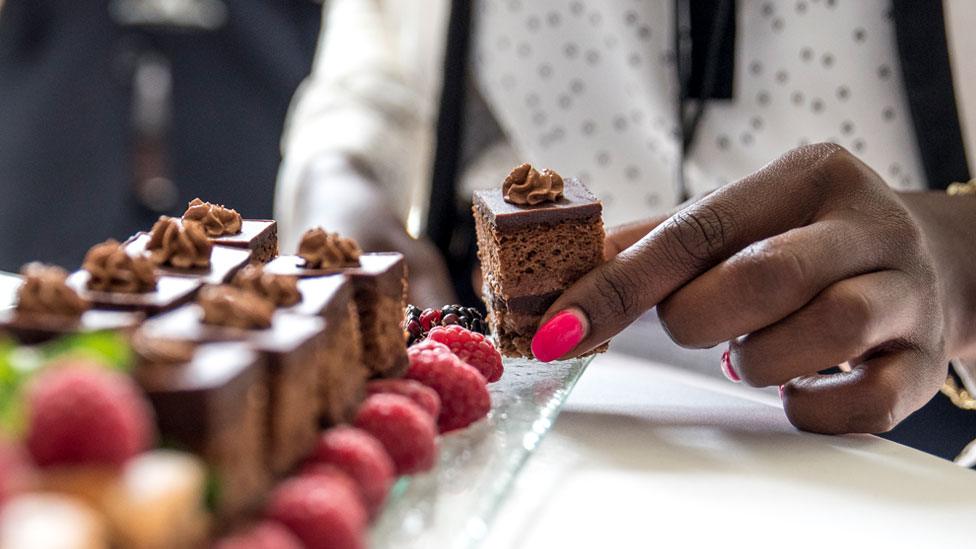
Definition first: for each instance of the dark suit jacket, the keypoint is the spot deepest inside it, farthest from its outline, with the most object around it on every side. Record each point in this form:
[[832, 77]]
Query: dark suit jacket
[[66, 172]]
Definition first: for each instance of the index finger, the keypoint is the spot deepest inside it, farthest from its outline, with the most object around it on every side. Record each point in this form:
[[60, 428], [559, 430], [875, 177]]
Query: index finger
[[787, 193]]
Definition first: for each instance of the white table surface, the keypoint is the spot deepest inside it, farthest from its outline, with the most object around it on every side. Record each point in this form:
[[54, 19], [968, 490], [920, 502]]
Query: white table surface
[[647, 455]]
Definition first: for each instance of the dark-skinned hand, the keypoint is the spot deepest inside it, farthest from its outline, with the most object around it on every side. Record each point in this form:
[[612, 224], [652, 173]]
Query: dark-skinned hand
[[809, 263]]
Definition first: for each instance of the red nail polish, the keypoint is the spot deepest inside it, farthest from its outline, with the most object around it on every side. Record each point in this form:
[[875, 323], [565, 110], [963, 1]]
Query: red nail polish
[[558, 336], [727, 368]]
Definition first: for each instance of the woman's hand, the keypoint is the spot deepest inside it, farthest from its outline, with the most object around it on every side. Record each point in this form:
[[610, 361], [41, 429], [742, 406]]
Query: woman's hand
[[342, 197], [809, 263]]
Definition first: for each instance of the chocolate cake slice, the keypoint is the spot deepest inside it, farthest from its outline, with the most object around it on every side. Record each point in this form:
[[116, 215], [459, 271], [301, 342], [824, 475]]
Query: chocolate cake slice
[[342, 379], [225, 226], [47, 307], [212, 400], [379, 282], [342, 374], [536, 236], [112, 279], [183, 249], [292, 345]]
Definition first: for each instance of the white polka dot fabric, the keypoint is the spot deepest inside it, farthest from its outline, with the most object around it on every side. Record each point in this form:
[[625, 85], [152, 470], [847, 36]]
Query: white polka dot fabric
[[587, 87]]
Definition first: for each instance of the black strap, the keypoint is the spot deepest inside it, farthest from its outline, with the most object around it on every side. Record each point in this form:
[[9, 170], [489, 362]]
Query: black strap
[[442, 216], [921, 37], [704, 45]]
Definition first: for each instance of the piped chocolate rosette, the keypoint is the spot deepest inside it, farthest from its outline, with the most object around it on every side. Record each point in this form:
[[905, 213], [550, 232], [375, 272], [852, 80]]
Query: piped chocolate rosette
[[232, 307], [324, 250], [111, 269], [181, 245], [525, 186], [45, 291], [282, 290], [216, 219]]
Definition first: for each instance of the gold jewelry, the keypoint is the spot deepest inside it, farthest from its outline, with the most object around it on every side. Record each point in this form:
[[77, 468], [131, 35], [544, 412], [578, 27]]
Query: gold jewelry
[[958, 394], [962, 394], [959, 189]]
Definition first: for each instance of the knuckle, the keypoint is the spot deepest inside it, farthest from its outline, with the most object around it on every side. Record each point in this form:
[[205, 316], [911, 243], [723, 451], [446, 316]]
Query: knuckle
[[830, 164], [618, 290], [696, 233], [771, 271], [847, 317]]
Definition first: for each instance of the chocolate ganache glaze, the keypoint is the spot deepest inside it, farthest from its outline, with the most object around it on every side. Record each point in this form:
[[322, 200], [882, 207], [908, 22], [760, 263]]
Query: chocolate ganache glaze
[[525, 186], [216, 219], [324, 250], [181, 245], [113, 270], [45, 291], [282, 290], [235, 308]]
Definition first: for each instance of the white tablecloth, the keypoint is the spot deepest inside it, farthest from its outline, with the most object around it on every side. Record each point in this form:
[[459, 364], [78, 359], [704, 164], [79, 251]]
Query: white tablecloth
[[646, 455]]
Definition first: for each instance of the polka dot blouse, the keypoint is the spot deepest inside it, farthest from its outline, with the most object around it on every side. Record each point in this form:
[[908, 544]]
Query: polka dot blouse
[[589, 88]]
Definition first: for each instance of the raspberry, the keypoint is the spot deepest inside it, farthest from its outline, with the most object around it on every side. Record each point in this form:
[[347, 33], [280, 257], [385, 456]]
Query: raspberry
[[463, 390], [420, 394], [15, 470], [471, 347], [80, 413], [320, 510], [359, 455], [406, 431], [264, 535]]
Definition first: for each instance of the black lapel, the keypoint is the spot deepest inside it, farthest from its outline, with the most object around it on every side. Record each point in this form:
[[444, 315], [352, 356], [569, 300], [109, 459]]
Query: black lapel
[[921, 36]]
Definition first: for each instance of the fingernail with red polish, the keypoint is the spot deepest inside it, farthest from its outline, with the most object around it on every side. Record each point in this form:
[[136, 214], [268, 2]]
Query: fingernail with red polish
[[558, 336], [727, 368]]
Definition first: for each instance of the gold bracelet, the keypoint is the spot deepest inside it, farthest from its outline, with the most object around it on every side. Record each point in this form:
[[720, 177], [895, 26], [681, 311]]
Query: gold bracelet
[[958, 392], [959, 189]]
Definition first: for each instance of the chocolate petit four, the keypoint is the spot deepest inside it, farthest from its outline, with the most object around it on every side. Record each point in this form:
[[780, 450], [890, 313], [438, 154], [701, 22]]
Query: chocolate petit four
[[183, 249], [112, 279], [224, 226], [379, 282], [211, 399], [536, 236], [48, 307], [291, 345], [342, 374]]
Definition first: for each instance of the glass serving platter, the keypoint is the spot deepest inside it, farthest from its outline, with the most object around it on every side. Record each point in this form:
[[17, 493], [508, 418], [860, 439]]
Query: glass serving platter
[[453, 505]]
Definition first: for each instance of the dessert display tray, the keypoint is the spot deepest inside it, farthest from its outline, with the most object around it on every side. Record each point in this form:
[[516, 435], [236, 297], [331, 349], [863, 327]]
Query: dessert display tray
[[453, 506]]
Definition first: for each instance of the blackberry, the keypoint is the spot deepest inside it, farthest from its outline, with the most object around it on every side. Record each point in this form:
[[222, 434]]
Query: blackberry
[[417, 322]]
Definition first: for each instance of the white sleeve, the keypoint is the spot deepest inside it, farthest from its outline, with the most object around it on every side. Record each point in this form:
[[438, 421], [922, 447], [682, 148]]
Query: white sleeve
[[373, 96]]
